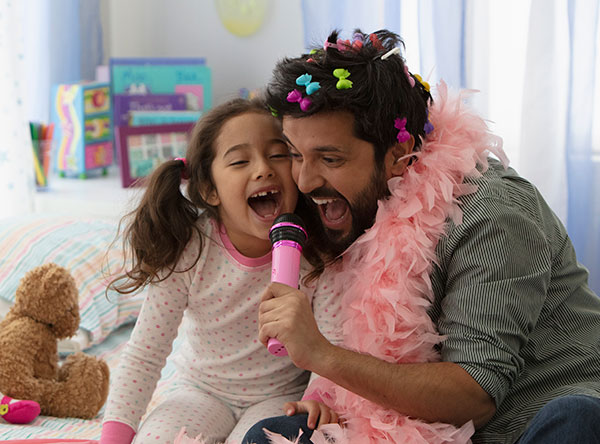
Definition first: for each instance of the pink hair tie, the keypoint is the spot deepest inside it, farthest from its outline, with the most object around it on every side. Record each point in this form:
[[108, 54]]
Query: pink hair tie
[[184, 172]]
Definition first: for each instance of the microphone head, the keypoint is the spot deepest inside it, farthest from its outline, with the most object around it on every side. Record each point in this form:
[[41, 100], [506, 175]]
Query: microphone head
[[290, 227]]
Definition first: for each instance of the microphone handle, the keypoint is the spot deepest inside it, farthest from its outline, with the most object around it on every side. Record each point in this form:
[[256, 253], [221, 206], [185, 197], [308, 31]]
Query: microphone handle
[[285, 270]]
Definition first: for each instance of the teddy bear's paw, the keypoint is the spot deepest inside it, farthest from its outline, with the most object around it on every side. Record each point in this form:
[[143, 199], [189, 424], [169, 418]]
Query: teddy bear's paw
[[85, 383]]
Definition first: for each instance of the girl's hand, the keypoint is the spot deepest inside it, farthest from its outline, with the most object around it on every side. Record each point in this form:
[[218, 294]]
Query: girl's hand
[[316, 411]]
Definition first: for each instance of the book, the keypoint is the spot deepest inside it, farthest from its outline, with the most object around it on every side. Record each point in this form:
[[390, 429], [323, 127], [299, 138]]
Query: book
[[189, 76], [141, 118], [123, 104]]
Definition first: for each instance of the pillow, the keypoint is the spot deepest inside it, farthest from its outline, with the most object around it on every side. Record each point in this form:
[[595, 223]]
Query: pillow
[[81, 246]]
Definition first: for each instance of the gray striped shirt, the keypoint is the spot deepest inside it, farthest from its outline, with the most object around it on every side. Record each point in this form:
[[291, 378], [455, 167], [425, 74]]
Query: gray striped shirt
[[514, 303]]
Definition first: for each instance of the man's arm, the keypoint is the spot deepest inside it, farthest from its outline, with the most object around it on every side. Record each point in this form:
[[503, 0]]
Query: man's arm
[[433, 392]]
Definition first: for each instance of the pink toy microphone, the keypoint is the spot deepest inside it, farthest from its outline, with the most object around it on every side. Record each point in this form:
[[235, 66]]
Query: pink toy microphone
[[288, 237]]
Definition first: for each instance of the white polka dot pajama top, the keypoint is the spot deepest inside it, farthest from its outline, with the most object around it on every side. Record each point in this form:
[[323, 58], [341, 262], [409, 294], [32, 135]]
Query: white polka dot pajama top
[[222, 368]]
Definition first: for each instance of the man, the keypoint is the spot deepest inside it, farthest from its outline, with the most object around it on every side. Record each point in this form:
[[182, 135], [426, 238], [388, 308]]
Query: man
[[429, 235]]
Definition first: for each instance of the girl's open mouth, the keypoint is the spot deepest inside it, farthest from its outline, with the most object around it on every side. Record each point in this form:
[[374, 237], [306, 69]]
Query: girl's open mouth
[[266, 204]]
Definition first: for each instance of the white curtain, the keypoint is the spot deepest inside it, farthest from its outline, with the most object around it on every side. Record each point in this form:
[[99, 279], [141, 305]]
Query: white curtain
[[42, 42], [536, 64], [16, 177]]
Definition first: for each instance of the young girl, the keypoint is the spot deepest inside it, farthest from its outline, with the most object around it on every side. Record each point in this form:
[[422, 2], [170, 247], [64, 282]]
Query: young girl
[[206, 257]]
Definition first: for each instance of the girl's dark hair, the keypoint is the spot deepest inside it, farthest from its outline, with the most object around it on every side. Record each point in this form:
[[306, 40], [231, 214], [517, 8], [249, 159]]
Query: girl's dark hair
[[380, 91], [158, 230]]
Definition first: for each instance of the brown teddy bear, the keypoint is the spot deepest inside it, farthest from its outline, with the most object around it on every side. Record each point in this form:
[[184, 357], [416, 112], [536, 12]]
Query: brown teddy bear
[[46, 309]]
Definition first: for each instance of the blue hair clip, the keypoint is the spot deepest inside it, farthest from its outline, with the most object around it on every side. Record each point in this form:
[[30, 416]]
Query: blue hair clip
[[305, 80]]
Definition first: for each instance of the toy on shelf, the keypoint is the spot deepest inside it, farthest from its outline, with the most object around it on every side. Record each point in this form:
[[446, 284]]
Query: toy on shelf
[[81, 113]]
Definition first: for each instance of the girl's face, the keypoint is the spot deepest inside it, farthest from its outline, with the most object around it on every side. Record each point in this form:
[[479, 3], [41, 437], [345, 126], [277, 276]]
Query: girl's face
[[253, 181]]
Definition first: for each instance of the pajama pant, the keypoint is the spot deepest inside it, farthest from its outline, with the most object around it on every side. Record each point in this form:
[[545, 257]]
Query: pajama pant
[[204, 414]]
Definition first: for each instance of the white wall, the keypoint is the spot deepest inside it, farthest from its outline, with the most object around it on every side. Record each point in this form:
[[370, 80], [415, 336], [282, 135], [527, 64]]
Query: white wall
[[191, 28]]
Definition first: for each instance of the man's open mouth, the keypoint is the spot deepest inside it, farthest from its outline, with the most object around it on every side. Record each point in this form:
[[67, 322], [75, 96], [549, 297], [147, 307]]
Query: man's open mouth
[[266, 204], [333, 211]]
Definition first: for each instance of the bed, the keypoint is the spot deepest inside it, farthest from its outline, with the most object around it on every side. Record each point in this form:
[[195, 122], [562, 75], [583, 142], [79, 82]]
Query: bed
[[81, 246]]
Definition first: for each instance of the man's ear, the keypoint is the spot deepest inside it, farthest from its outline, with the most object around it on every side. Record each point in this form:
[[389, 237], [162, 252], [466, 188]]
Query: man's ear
[[396, 159]]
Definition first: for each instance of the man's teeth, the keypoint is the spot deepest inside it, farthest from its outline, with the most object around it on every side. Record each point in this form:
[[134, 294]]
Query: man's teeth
[[322, 201], [264, 193]]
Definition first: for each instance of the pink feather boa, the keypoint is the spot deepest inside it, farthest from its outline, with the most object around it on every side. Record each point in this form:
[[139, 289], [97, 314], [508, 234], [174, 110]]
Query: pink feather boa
[[385, 274]]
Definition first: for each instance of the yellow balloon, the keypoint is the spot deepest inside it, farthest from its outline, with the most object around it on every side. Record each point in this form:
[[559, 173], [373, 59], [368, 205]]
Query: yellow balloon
[[242, 17]]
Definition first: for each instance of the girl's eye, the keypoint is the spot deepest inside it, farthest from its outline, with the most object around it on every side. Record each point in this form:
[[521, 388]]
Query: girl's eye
[[280, 156], [238, 162], [295, 156]]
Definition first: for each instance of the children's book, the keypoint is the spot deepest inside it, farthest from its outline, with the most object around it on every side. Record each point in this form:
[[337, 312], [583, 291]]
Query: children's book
[[141, 118], [188, 76], [123, 104]]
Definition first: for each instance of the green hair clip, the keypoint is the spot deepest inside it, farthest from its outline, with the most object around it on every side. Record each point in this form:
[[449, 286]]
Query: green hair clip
[[342, 75]]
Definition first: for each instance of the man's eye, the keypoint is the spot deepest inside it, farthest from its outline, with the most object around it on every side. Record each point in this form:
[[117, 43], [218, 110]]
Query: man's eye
[[331, 160]]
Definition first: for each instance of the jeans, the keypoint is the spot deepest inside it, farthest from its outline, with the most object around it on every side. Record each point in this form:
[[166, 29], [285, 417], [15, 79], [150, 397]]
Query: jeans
[[287, 426], [573, 419]]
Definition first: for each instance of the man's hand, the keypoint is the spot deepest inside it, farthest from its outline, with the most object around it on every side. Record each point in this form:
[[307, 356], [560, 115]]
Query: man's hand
[[316, 411], [285, 313]]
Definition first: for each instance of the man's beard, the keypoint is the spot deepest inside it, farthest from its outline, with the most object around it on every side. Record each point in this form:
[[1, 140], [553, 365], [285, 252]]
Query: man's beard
[[362, 209]]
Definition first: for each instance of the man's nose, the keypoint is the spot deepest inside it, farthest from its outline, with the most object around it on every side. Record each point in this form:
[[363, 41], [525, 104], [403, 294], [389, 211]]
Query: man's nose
[[307, 178]]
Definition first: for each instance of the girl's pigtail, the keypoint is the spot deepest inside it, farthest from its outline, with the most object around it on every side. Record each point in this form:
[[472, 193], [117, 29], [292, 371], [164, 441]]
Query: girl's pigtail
[[158, 229]]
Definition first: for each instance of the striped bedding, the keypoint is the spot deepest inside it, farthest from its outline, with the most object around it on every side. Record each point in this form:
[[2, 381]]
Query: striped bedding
[[81, 246]]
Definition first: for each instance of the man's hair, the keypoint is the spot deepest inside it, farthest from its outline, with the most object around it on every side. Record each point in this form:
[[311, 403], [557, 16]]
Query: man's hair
[[381, 91]]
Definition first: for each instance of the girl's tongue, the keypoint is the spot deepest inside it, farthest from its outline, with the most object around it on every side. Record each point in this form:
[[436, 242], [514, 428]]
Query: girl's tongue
[[264, 206]]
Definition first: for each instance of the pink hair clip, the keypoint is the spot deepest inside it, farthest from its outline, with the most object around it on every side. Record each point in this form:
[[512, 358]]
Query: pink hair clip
[[296, 96], [403, 135], [340, 45], [410, 78]]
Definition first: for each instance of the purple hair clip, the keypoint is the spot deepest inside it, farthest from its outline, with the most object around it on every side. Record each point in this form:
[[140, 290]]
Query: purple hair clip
[[296, 96], [428, 127], [357, 41], [403, 135]]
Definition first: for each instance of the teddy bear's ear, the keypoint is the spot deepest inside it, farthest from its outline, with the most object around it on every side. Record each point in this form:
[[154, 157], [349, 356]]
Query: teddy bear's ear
[[48, 294]]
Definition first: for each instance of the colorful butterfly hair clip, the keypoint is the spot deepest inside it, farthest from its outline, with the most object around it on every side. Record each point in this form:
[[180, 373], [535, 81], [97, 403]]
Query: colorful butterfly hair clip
[[340, 45], [428, 127], [357, 41], [410, 78], [296, 96], [376, 42], [342, 75], [422, 82], [403, 135], [306, 80]]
